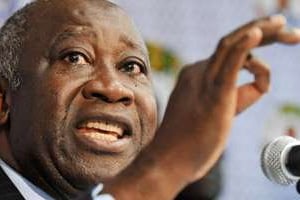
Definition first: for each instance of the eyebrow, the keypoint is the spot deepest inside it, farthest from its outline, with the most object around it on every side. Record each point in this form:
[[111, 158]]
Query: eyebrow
[[123, 39], [130, 43], [69, 33], [65, 35]]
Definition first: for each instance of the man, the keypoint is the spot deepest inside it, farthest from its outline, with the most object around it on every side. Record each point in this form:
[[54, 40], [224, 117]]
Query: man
[[77, 106]]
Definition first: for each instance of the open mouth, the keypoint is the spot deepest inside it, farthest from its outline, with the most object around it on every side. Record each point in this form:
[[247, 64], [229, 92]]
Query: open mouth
[[103, 130], [104, 135]]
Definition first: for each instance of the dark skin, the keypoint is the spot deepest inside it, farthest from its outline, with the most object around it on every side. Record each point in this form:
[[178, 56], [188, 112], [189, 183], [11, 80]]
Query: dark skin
[[83, 75], [214, 100], [84, 61]]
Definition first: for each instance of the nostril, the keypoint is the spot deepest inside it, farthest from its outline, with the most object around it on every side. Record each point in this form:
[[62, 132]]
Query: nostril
[[100, 96], [111, 93], [125, 100]]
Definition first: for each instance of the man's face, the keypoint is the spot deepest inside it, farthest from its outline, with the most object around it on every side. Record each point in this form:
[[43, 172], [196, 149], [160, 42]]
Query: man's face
[[86, 106]]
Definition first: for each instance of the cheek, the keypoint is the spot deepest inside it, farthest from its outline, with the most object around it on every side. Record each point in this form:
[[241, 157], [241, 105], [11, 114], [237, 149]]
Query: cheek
[[29, 128], [147, 109], [41, 105], [36, 110]]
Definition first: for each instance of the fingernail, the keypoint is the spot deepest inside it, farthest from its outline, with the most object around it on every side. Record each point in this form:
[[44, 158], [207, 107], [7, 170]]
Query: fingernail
[[278, 19], [293, 30], [296, 31]]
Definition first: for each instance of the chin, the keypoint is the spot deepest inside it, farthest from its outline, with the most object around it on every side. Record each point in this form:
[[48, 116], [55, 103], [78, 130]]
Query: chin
[[85, 170]]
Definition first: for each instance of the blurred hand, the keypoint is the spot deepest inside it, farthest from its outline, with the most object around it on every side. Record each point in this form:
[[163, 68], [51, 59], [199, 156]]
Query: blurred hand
[[200, 112], [206, 98]]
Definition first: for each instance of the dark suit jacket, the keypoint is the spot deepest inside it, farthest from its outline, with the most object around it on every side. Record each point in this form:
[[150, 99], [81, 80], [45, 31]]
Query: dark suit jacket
[[7, 189]]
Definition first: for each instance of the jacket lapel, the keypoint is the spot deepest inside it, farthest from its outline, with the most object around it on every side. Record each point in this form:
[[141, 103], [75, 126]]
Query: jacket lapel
[[7, 189]]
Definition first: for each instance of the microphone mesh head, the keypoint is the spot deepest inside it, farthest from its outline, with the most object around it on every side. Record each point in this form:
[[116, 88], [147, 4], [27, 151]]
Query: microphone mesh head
[[271, 160]]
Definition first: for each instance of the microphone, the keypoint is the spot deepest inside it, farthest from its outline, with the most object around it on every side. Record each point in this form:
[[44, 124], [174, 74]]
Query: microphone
[[280, 160]]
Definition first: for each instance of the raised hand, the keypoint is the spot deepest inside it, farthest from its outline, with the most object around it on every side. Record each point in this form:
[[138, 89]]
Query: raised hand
[[206, 98], [200, 112]]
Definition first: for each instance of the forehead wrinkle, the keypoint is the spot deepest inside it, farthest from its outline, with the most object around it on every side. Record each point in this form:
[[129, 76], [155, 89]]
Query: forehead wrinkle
[[74, 32], [69, 34]]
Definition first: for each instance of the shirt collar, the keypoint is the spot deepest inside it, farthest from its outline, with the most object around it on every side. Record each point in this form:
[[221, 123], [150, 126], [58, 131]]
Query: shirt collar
[[26, 188]]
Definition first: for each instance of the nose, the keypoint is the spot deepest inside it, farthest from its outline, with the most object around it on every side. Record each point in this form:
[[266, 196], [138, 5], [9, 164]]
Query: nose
[[108, 90]]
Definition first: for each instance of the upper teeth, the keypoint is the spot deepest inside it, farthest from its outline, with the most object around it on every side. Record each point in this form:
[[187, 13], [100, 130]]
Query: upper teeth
[[105, 127]]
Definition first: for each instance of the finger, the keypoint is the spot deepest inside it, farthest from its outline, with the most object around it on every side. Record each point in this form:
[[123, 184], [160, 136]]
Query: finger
[[284, 36], [261, 72], [251, 92], [273, 29], [236, 58], [268, 26], [287, 36], [215, 61]]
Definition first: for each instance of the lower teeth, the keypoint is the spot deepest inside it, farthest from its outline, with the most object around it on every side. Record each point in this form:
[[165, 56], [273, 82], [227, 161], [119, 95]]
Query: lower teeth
[[104, 137]]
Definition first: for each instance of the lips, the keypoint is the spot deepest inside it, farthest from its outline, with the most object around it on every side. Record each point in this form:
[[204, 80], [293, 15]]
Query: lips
[[107, 135]]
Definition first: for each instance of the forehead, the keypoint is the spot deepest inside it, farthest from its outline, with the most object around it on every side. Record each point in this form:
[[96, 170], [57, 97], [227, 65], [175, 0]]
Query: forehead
[[86, 18]]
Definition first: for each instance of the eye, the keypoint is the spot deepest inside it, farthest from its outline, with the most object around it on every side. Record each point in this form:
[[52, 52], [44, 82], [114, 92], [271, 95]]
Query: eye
[[133, 67], [75, 58]]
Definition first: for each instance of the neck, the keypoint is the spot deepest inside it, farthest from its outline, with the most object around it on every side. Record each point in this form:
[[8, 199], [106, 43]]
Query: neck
[[6, 152], [66, 189]]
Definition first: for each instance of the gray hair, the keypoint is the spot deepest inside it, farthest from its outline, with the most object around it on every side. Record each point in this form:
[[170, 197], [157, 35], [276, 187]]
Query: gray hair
[[12, 38]]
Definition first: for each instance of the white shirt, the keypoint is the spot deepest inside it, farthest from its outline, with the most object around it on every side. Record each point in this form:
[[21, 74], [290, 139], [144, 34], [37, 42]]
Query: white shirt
[[30, 191]]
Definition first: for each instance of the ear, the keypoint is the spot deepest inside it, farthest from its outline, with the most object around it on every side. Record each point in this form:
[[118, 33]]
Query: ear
[[4, 102]]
